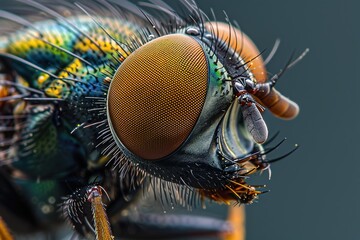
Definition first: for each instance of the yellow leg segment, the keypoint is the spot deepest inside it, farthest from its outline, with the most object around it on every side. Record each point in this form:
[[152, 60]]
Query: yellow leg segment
[[237, 220], [102, 226], [4, 231]]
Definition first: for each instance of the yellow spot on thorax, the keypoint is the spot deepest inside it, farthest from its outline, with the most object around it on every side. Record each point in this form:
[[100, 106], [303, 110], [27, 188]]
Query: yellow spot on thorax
[[58, 89], [42, 79], [102, 44]]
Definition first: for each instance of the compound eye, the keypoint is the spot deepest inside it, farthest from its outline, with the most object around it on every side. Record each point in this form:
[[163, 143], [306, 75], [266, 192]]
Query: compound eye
[[157, 95]]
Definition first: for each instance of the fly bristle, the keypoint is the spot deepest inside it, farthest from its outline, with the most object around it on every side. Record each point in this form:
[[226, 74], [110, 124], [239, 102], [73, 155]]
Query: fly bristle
[[171, 194], [236, 190]]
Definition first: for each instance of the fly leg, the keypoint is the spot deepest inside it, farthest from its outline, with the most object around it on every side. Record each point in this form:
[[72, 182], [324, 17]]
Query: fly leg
[[101, 222], [85, 210], [4, 231]]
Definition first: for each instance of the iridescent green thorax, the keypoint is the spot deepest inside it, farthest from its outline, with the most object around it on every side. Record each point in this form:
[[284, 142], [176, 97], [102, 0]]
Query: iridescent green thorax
[[50, 48], [73, 61]]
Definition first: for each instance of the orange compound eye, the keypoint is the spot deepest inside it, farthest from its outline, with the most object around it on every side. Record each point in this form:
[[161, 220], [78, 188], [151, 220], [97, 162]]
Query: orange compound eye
[[157, 95], [242, 44]]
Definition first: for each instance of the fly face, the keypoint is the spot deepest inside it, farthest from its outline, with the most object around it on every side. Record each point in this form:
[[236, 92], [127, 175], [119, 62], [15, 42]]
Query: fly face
[[164, 105], [182, 108]]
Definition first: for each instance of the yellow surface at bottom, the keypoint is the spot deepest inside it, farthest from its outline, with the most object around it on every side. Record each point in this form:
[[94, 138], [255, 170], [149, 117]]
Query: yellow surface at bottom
[[237, 220]]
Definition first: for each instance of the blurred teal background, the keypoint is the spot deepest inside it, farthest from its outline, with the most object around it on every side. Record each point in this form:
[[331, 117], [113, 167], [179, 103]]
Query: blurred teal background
[[314, 192]]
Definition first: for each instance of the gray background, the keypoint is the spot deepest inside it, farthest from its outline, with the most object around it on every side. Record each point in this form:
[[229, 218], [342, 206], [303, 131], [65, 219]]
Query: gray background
[[315, 192]]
